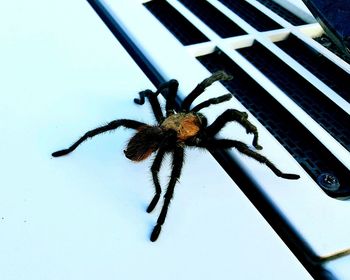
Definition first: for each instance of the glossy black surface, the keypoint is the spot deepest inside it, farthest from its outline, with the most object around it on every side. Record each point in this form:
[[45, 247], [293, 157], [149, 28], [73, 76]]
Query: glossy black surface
[[334, 16]]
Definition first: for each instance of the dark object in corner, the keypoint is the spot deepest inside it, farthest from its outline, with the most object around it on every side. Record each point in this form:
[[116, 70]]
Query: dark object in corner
[[334, 17]]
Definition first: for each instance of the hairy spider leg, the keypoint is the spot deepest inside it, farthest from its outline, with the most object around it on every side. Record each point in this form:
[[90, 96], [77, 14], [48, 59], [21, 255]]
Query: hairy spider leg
[[244, 149], [171, 88], [110, 126], [211, 101], [153, 100], [177, 163], [199, 89], [234, 115], [155, 169], [171, 91]]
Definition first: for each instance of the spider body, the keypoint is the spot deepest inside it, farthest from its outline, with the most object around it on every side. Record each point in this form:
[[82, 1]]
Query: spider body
[[186, 125], [175, 131]]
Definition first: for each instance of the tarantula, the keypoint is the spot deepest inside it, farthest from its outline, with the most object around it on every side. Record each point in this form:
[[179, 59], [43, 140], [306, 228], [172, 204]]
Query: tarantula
[[174, 131]]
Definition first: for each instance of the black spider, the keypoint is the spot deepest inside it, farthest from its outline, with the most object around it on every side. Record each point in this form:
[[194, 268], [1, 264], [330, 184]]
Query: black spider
[[177, 130]]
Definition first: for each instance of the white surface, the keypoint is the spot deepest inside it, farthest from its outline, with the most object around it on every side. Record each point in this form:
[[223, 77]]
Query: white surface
[[339, 267], [322, 221], [83, 216]]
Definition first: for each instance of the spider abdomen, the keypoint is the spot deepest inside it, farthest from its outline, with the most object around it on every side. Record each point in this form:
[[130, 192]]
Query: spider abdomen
[[186, 125]]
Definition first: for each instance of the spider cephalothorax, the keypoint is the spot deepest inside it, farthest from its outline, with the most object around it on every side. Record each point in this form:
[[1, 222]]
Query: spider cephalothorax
[[174, 131], [186, 125]]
